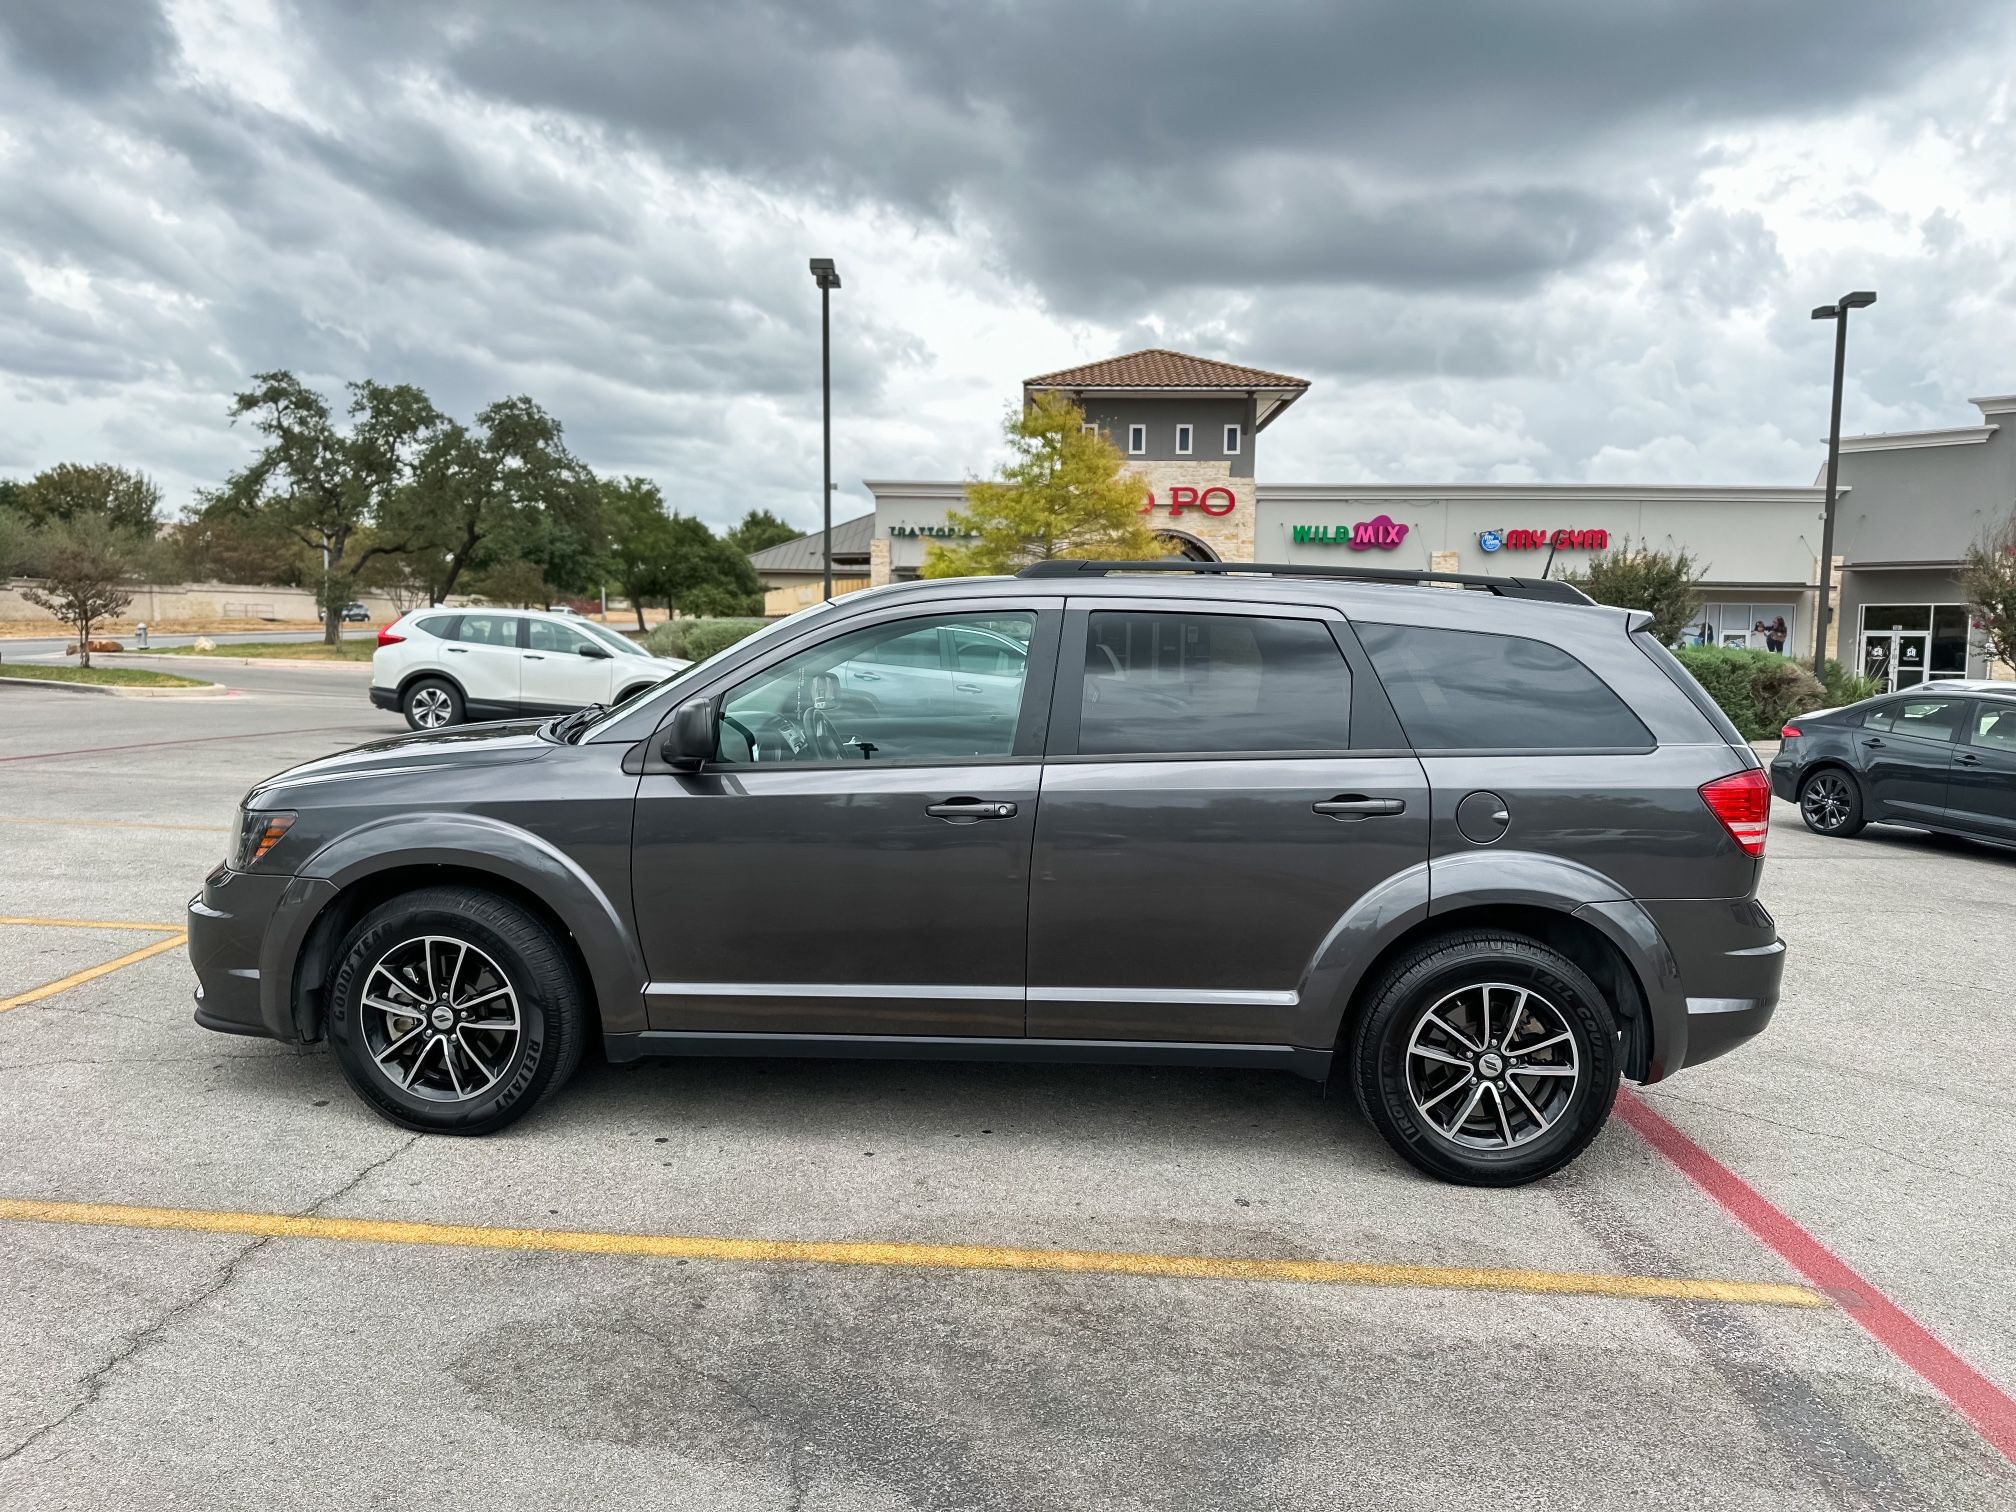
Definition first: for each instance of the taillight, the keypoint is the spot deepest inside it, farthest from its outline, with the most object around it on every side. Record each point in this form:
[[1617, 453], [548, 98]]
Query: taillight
[[1742, 801], [1790, 732], [387, 638]]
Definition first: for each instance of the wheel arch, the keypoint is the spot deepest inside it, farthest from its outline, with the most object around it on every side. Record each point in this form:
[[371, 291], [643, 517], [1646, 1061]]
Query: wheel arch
[[419, 674]]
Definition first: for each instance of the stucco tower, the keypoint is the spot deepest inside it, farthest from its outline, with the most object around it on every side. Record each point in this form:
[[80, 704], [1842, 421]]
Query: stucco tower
[[1190, 425]]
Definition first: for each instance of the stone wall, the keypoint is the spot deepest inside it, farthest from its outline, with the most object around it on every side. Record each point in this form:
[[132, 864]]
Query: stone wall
[[1230, 536]]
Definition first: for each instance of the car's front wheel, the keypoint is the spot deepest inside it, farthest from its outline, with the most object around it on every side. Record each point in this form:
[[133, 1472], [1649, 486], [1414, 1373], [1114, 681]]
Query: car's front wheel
[[1830, 804], [454, 1011], [1485, 1058], [432, 703]]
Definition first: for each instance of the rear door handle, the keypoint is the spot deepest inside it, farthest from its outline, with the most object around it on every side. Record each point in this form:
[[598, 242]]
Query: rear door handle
[[1968, 758], [861, 676], [969, 809], [533, 656], [1354, 807], [1872, 741], [458, 650]]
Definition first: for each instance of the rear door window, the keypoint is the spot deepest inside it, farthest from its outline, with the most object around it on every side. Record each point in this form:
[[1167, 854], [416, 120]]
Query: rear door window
[[1469, 690], [488, 630], [1172, 684], [1927, 718]]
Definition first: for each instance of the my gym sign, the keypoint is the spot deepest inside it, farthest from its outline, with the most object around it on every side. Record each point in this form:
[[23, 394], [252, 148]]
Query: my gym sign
[[1541, 540]]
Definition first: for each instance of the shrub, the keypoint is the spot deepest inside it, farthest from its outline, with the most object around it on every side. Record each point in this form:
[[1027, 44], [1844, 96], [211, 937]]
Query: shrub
[[698, 639], [1845, 687], [1758, 690]]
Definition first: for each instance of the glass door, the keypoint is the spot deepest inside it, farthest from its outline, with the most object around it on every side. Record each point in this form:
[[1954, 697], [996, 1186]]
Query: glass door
[[1898, 657]]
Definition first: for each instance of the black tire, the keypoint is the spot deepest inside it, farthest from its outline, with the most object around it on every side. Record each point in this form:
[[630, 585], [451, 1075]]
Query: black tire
[[432, 703], [518, 950], [1436, 975], [1830, 803]]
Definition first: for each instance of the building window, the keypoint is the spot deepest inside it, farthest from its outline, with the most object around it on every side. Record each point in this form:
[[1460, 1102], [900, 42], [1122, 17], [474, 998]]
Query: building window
[[1232, 440], [1908, 644], [1753, 627], [1089, 428], [1183, 440], [1137, 440]]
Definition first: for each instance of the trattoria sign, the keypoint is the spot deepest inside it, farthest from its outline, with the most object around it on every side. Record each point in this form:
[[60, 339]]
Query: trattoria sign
[[1541, 540], [1381, 532]]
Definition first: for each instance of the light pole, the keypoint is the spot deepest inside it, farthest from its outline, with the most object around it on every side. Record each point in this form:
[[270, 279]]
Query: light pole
[[824, 275], [1837, 312]]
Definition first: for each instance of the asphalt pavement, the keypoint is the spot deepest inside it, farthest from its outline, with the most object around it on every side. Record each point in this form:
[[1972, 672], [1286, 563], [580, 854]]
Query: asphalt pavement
[[242, 1329]]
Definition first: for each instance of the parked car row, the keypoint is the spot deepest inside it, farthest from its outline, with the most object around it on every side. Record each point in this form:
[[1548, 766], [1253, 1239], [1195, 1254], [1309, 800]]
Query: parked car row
[[1939, 756], [440, 667]]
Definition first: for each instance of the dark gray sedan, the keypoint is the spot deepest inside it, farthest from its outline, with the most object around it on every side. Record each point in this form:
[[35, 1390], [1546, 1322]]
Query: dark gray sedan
[[1937, 756]]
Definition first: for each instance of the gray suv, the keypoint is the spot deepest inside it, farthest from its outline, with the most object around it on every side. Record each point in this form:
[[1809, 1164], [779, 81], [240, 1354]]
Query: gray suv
[[1478, 853]]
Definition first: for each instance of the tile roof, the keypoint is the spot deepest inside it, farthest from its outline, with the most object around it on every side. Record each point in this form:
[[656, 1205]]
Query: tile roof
[[850, 539], [1157, 368]]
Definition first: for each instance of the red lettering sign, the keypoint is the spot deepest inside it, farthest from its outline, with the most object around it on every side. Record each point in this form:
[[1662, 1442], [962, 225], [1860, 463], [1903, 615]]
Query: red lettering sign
[[1181, 498], [1381, 531], [1225, 508], [1212, 501], [1538, 540]]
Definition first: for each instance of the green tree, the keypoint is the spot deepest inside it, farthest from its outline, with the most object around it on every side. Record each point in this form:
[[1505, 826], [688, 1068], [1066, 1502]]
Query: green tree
[[759, 531], [1988, 578], [1065, 492], [220, 545], [128, 501], [704, 575], [474, 488], [517, 582], [1666, 584], [84, 564], [326, 486], [15, 535], [641, 539]]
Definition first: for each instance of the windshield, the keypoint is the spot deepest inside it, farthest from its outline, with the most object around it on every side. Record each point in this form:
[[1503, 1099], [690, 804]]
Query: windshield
[[769, 632], [610, 637]]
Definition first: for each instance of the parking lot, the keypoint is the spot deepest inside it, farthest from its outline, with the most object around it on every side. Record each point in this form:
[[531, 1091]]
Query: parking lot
[[769, 1284]]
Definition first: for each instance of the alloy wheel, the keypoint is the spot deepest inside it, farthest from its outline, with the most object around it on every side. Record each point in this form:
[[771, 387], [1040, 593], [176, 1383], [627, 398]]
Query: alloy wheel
[[431, 708], [1826, 801], [1492, 1066], [440, 1020]]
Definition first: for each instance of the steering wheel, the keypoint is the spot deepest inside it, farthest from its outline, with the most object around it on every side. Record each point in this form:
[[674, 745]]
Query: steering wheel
[[826, 742]]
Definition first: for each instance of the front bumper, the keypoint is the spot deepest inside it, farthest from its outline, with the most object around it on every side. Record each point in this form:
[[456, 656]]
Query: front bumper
[[385, 698], [245, 932]]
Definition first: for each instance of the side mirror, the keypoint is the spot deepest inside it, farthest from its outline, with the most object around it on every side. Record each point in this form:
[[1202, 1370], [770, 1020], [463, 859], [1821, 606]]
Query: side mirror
[[596, 653], [691, 736]]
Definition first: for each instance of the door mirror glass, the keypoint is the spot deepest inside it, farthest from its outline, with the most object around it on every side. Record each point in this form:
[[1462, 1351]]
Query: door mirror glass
[[593, 652], [689, 738]]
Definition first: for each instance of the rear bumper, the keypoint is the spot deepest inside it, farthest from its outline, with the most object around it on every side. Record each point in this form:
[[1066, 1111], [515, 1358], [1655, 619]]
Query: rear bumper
[[385, 698], [1711, 969], [1784, 779]]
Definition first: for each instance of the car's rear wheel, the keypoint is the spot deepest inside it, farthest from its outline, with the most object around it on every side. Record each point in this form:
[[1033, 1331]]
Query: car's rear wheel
[[1485, 1058], [433, 703], [454, 1011], [1830, 804]]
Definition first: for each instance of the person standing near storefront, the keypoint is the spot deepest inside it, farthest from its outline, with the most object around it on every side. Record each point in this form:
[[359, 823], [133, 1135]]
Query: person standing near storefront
[[1774, 635]]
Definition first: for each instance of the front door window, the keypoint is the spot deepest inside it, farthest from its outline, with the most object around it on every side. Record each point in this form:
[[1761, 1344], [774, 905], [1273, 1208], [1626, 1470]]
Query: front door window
[[938, 688]]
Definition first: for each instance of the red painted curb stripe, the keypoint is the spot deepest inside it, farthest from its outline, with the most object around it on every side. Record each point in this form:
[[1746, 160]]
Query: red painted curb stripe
[[1984, 1404]]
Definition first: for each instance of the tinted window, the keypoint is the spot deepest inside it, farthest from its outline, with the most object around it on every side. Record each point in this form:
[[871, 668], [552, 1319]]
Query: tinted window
[[1928, 718], [1995, 727], [488, 630], [544, 635], [850, 699], [1465, 690], [1157, 684], [442, 625]]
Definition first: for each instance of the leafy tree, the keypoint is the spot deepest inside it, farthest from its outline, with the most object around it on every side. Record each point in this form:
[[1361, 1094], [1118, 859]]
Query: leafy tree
[[10, 495], [516, 582], [326, 486], [641, 539], [1666, 584], [705, 575], [128, 501], [475, 487], [84, 564], [220, 545], [759, 531], [15, 535], [1988, 578], [1066, 492]]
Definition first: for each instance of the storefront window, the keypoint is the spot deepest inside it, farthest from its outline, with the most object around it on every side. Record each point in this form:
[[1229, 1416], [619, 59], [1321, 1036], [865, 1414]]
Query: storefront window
[[1753, 626], [1908, 644], [1949, 640]]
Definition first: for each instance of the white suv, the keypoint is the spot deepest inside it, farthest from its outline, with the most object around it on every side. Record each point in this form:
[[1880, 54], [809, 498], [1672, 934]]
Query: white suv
[[440, 667]]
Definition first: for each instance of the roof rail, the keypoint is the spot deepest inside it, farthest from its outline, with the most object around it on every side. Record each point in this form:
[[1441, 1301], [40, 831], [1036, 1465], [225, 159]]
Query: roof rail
[[1549, 590]]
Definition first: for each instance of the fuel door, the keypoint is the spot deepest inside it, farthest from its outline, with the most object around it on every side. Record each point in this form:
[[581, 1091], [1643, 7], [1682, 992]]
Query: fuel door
[[1483, 818]]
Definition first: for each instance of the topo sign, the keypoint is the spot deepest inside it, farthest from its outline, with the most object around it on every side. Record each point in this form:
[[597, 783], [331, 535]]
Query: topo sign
[[1212, 501]]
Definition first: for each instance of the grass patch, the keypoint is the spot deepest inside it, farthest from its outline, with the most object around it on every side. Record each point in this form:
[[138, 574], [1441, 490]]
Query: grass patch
[[345, 650], [125, 677]]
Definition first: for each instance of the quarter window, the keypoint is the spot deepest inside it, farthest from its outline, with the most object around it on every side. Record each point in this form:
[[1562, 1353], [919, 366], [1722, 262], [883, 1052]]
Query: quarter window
[[1170, 684], [1927, 718], [884, 693], [1464, 690], [441, 626], [488, 630]]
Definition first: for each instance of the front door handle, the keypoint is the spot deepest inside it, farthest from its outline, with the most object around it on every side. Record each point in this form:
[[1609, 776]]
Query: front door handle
[[1872, 741], [967, 810], [534, 656], [1351, 806], [458, 650], [1968, 758]]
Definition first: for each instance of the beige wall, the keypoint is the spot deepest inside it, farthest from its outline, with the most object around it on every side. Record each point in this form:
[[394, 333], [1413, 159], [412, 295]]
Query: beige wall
[[172, 603], [796, 596]]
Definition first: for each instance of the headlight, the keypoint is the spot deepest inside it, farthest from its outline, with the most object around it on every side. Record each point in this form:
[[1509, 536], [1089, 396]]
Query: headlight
[[259, 830]]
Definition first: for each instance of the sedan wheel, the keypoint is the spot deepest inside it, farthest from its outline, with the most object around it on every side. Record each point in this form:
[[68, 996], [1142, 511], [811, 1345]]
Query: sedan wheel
[[1829, 803], [432, 704]]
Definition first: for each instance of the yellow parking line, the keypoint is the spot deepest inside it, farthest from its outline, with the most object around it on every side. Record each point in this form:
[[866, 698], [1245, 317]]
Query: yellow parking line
[[208, 829], [92, 973], [89, 924], [915, 1256]]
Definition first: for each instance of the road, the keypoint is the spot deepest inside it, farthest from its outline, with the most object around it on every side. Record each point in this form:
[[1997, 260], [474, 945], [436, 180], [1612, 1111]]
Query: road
[[210, 1363]]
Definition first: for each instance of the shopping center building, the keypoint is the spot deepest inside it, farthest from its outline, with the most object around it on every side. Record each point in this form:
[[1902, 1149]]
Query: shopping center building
[[1910, 504]]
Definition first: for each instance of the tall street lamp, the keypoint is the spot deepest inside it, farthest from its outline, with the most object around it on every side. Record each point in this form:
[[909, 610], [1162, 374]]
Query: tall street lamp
[[1837, 312], [824, 275]]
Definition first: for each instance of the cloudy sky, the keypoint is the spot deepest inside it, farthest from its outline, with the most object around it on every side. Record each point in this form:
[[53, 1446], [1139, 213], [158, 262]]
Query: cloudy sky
[[1557, 240]]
